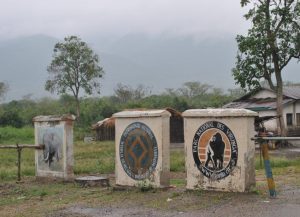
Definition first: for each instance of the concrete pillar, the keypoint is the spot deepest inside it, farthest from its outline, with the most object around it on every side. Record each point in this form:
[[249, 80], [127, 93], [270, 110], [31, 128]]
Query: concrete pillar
[[56, 133], [142, 147], [219, 151]]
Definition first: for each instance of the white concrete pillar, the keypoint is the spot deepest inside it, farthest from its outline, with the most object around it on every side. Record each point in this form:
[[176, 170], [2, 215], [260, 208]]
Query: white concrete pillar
[[219, 150], [142, 147], [56, 133]]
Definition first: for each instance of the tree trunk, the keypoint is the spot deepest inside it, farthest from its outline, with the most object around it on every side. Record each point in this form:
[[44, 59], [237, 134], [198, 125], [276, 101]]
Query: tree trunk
[[281, 126], [280, 123], [272, 43], [77, 108]]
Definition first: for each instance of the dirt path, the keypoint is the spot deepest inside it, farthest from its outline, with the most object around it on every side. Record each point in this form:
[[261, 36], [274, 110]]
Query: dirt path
[[287, 204], [206, 204]]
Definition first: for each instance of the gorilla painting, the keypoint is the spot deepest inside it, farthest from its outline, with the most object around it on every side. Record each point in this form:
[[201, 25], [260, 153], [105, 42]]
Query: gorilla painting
[[52, 146], [215, 152]]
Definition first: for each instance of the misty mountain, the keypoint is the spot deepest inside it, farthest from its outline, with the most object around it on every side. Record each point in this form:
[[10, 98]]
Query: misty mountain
[[165, 62], [23, 64], [157, 62]]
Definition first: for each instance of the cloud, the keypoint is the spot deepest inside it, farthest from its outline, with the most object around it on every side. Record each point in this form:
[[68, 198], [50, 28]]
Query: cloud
[[87, 17]]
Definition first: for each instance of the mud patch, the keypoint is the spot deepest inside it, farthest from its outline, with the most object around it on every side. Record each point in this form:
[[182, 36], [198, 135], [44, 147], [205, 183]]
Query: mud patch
[[111, 212]]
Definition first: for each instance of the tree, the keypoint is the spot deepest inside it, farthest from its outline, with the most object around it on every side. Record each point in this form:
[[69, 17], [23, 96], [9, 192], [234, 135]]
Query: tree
[[126, 93], [3, 89], [74, 67], [271, 43], [194, 88]]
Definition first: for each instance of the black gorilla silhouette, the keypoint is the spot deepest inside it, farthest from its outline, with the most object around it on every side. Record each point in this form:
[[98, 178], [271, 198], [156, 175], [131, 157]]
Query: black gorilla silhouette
[[215, 152]]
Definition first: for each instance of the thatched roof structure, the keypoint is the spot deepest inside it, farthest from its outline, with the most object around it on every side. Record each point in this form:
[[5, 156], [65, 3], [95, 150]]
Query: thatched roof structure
[[107, 122], [105, 129], [174, 112]]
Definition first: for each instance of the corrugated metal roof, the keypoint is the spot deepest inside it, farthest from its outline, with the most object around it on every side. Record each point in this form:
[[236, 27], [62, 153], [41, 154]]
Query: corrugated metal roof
[[257, 104], [292, 92], [288, 92]]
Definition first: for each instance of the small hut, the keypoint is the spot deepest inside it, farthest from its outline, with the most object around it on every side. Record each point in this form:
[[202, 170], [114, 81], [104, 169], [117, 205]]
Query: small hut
[[105, 129]]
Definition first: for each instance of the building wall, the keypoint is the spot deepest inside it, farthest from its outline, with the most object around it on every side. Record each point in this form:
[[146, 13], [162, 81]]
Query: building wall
[[292, 108], [270, 125], [289, 109]]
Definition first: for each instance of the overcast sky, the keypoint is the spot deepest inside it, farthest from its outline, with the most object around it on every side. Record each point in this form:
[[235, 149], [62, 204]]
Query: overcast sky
[[86, 18]]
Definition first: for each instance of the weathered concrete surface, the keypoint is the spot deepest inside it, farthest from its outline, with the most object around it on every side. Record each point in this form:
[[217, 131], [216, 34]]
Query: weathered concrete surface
[[152, 128], [219, 151], [92, 181], [56, 133]]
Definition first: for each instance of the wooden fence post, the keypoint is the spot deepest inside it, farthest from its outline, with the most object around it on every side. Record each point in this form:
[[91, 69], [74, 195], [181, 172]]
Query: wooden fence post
[[19, 149]]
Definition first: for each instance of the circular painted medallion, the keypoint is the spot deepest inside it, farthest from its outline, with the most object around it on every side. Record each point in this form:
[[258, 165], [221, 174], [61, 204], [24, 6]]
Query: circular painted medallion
[[215, 150], [138, 151]]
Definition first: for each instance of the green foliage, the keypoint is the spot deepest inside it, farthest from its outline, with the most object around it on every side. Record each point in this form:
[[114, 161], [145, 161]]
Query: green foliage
[[20, 113], [74, 67], [145, 185], [278, 162], [125, 93], [94, 158], [177, 161], [11, 118], [271, 42], [193, 89], [11, 135]]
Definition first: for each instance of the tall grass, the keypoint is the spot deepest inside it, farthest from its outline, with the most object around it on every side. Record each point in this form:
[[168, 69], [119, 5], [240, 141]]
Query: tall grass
[[11, 135], [89, 158], [95, 157], [177, 159], [277, 162]]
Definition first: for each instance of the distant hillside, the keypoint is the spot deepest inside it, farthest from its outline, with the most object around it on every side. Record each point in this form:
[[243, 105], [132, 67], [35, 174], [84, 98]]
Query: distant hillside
[[157, 62], [167, 62]]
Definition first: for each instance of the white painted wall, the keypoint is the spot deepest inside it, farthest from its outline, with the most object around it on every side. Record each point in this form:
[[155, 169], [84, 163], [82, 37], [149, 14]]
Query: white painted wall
[[270, 125], [288, 109], [293, 108]]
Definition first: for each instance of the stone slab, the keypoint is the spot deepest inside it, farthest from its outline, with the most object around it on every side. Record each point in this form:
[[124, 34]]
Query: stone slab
[[92, 181]]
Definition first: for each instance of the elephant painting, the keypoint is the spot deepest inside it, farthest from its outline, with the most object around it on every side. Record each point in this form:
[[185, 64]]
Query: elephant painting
[[51, 158], [52, 147]]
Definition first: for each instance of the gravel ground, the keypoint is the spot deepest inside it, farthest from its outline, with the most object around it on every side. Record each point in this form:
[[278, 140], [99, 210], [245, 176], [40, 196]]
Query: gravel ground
[[286, 204]]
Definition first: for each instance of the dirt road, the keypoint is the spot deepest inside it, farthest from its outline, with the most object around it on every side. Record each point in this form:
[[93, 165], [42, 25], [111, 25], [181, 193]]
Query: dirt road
[[286, 204]]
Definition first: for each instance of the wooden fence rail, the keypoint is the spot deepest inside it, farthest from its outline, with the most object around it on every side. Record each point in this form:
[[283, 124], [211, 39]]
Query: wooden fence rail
[[19, 148]]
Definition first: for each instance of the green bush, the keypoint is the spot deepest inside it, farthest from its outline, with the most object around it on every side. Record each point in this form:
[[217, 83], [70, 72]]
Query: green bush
[[11, 135]]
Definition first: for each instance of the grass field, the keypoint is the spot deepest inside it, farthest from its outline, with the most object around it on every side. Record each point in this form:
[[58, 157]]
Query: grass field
[[93, 158]]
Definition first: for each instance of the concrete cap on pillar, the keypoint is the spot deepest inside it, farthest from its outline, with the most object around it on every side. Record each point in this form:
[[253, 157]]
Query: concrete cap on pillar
[[142, 113], [219, 113], [47, 118]]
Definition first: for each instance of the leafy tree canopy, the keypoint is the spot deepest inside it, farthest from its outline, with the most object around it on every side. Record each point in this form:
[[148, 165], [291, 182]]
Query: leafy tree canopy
[[74, 67], [271, 42]]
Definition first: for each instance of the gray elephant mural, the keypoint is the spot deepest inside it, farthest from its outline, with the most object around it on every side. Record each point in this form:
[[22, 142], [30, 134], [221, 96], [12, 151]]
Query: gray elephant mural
[[51, 158], [52, 147]]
